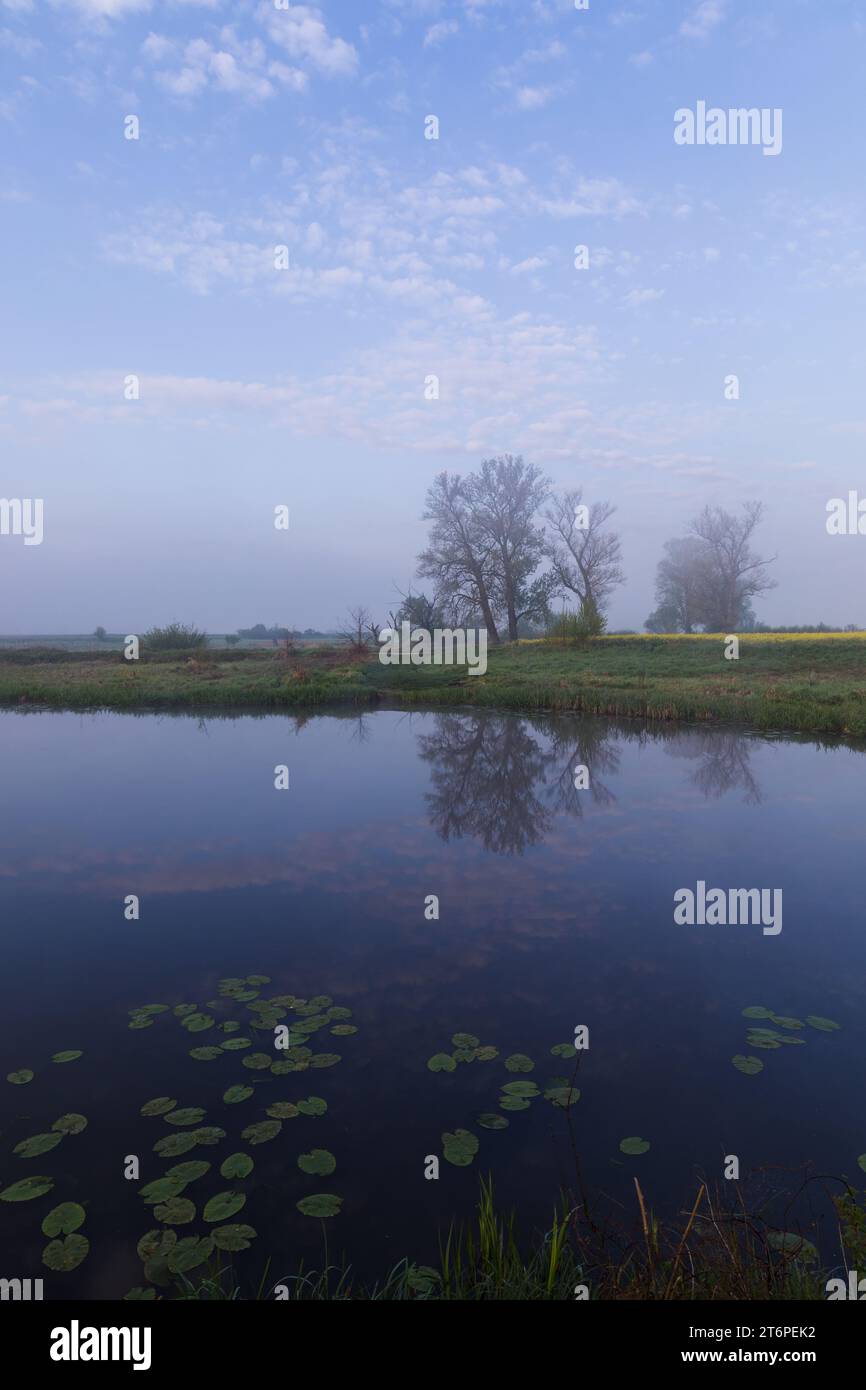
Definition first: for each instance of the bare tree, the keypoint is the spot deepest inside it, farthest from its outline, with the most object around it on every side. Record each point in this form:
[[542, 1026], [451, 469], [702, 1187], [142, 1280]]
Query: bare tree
[[356, 629], [460, 556], [732, 573], [681, 586], [505, 496], [585, 558]]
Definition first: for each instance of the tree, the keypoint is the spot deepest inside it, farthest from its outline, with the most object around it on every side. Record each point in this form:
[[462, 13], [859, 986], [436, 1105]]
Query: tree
[[421, 612], [460, 556], [584, 554], [356, 629], [732, 574], [505, 496], [681, 587], [99, 634]]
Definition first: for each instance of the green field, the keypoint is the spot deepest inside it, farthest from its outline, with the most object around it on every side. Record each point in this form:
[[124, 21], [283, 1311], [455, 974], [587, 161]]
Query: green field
[[786, 682]]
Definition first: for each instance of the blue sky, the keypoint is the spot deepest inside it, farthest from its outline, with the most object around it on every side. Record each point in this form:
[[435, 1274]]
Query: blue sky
[[304, 127]]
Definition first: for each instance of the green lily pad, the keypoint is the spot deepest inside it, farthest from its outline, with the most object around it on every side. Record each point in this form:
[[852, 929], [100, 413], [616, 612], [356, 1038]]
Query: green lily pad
[[563, 1050], [262, 1132], [513, 1103], [784, 1021], [562, 1096], [460, 1147], [259, 980], [191, 1115], [634, 1145], [862, 1162], [190, 1171], [824, 1025], [464, 1040], [768, 1044], [319, 1060], [441, 1062], [139, 1295], [318, 1161], [338, 1011], [283, 1068], [63, 1220], [160, 1106], [156, 1243], [26, 1189], [491, 1121], [230, 1026], [237, 1166], [173, 1145], [789, 1243], [235, 1094], [20, 1078], [161, 1190], [313, 1105], [321, 1205], [757, 1011], [206, 1054], [181, 1010], [749, 1065], [518, 1061], [236, 1237], [189, 1253], [66, 1254], [37, 1144], [177, 1211], [235, 1044], [71, 1056], [258, 1061], [224, 1205], [486, 1053], [198, 1023], [150, 1009], [282, 1110], [208, 1135], [526, 1089], [343, 1030], [138, 1023], [70, 1124]]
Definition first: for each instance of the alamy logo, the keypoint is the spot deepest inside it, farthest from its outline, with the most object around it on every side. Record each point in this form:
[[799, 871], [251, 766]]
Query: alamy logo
[[22, 516], [77, 1343], [846, 518], [442, 647], [854, 1289], [720, 907], [21, 1290], [737, 126]]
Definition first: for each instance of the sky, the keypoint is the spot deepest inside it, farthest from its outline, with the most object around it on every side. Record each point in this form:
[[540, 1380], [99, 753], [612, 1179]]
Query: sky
[[299, 377]]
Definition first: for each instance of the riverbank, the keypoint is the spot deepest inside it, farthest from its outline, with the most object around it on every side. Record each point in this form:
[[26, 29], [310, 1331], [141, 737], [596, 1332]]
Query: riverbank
[[805, 683]]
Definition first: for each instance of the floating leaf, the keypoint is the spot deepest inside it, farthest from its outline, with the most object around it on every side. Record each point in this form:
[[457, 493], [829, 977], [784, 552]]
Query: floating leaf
[[235, 1094], [156, 1243], [768, 1044], [20, 1078], [27, 1189], [784, 1022], [513, 1103], [313, 1105], [198, 1023], [862, 1162], [139, 1295], [634, 1145], [790, 1243], [339, 1012], [209, 1134], [343, 1030], [518, 1061], [260, 980], [521, 1088], [258, 1061], [63, 1220], [150, 1009], [319, 1060], [491, 1121], [321, 1205], [562, 1096], [206, 1054], [70, 1124], [460, 1147], [235, 1044], [318, 1161], [233, 1237], [37, 1144], [181, 1010], [189, 1253], [442, 1062], [563, 1050], [160, 1106], [66, 1056], [161, 1190], [177, 1211], [191, 1115], [262, 1132], [282, 1110], [230, 1026], [237, 1166], [224, 1205], [173, 1145], [66, 1254], [486, 1053], [421, 1278], [757, 1011], [243, 996], [464, 1040], [749, 1065], [138, 1023], [188, 1172], [824, 1025]]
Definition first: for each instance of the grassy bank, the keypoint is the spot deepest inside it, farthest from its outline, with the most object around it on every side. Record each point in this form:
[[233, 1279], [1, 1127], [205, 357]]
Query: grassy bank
[[782, 682]]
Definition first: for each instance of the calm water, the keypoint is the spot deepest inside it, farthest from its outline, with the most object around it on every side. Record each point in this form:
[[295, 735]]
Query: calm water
[[555, 909]]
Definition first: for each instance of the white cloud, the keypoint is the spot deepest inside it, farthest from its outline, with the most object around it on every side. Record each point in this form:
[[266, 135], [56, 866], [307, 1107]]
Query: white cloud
[[438, 33], [635, 298], [531, 98], [301, 30], [703, 19]]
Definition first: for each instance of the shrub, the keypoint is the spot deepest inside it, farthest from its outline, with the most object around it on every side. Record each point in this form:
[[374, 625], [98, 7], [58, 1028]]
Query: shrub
[[176, 637], [578, 627]]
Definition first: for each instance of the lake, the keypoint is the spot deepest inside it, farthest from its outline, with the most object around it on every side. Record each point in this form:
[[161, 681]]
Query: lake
[[555, 909]]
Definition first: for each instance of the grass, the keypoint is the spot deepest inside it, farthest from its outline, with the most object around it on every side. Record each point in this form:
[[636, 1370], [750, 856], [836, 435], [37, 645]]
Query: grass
[[800, 682], [716, 1250]]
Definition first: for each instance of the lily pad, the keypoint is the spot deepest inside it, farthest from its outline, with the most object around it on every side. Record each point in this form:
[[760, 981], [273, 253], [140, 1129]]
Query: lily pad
[[139, 1295], [634, 1145], [757, 1011], [338, 1011], [198, 1023], [441, 1061], [563, 1050], [63, 1220], [784, 1021], [66, 1254], [173, 1145], [237, 1166], [235, 1237], [319, 1060], [181, 1010], [862, 1162], [318, 1161], [26, 1189], [486, 1053], [37, 1144], [526, 1089], [235, 1094], [190, 1171], [235, 1044], [343, 1030], [518, 1061], [749, 1065], [206, 1054], [191, 1115], [262, 1132], [160, 1106], [260, 980], [313, 1105], [224, 1205], [282, 1110], [189, 1253], [70, 1124], [70, 1056], [258, 1061], [155, 1243], [464, 1040], [513, 1103], [20, 1078], [321, 1205], [177, 1211], [562, 1096], [208, 1135], [824, 1025], [491, 1121], [460, 1147], [161, 1190]]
